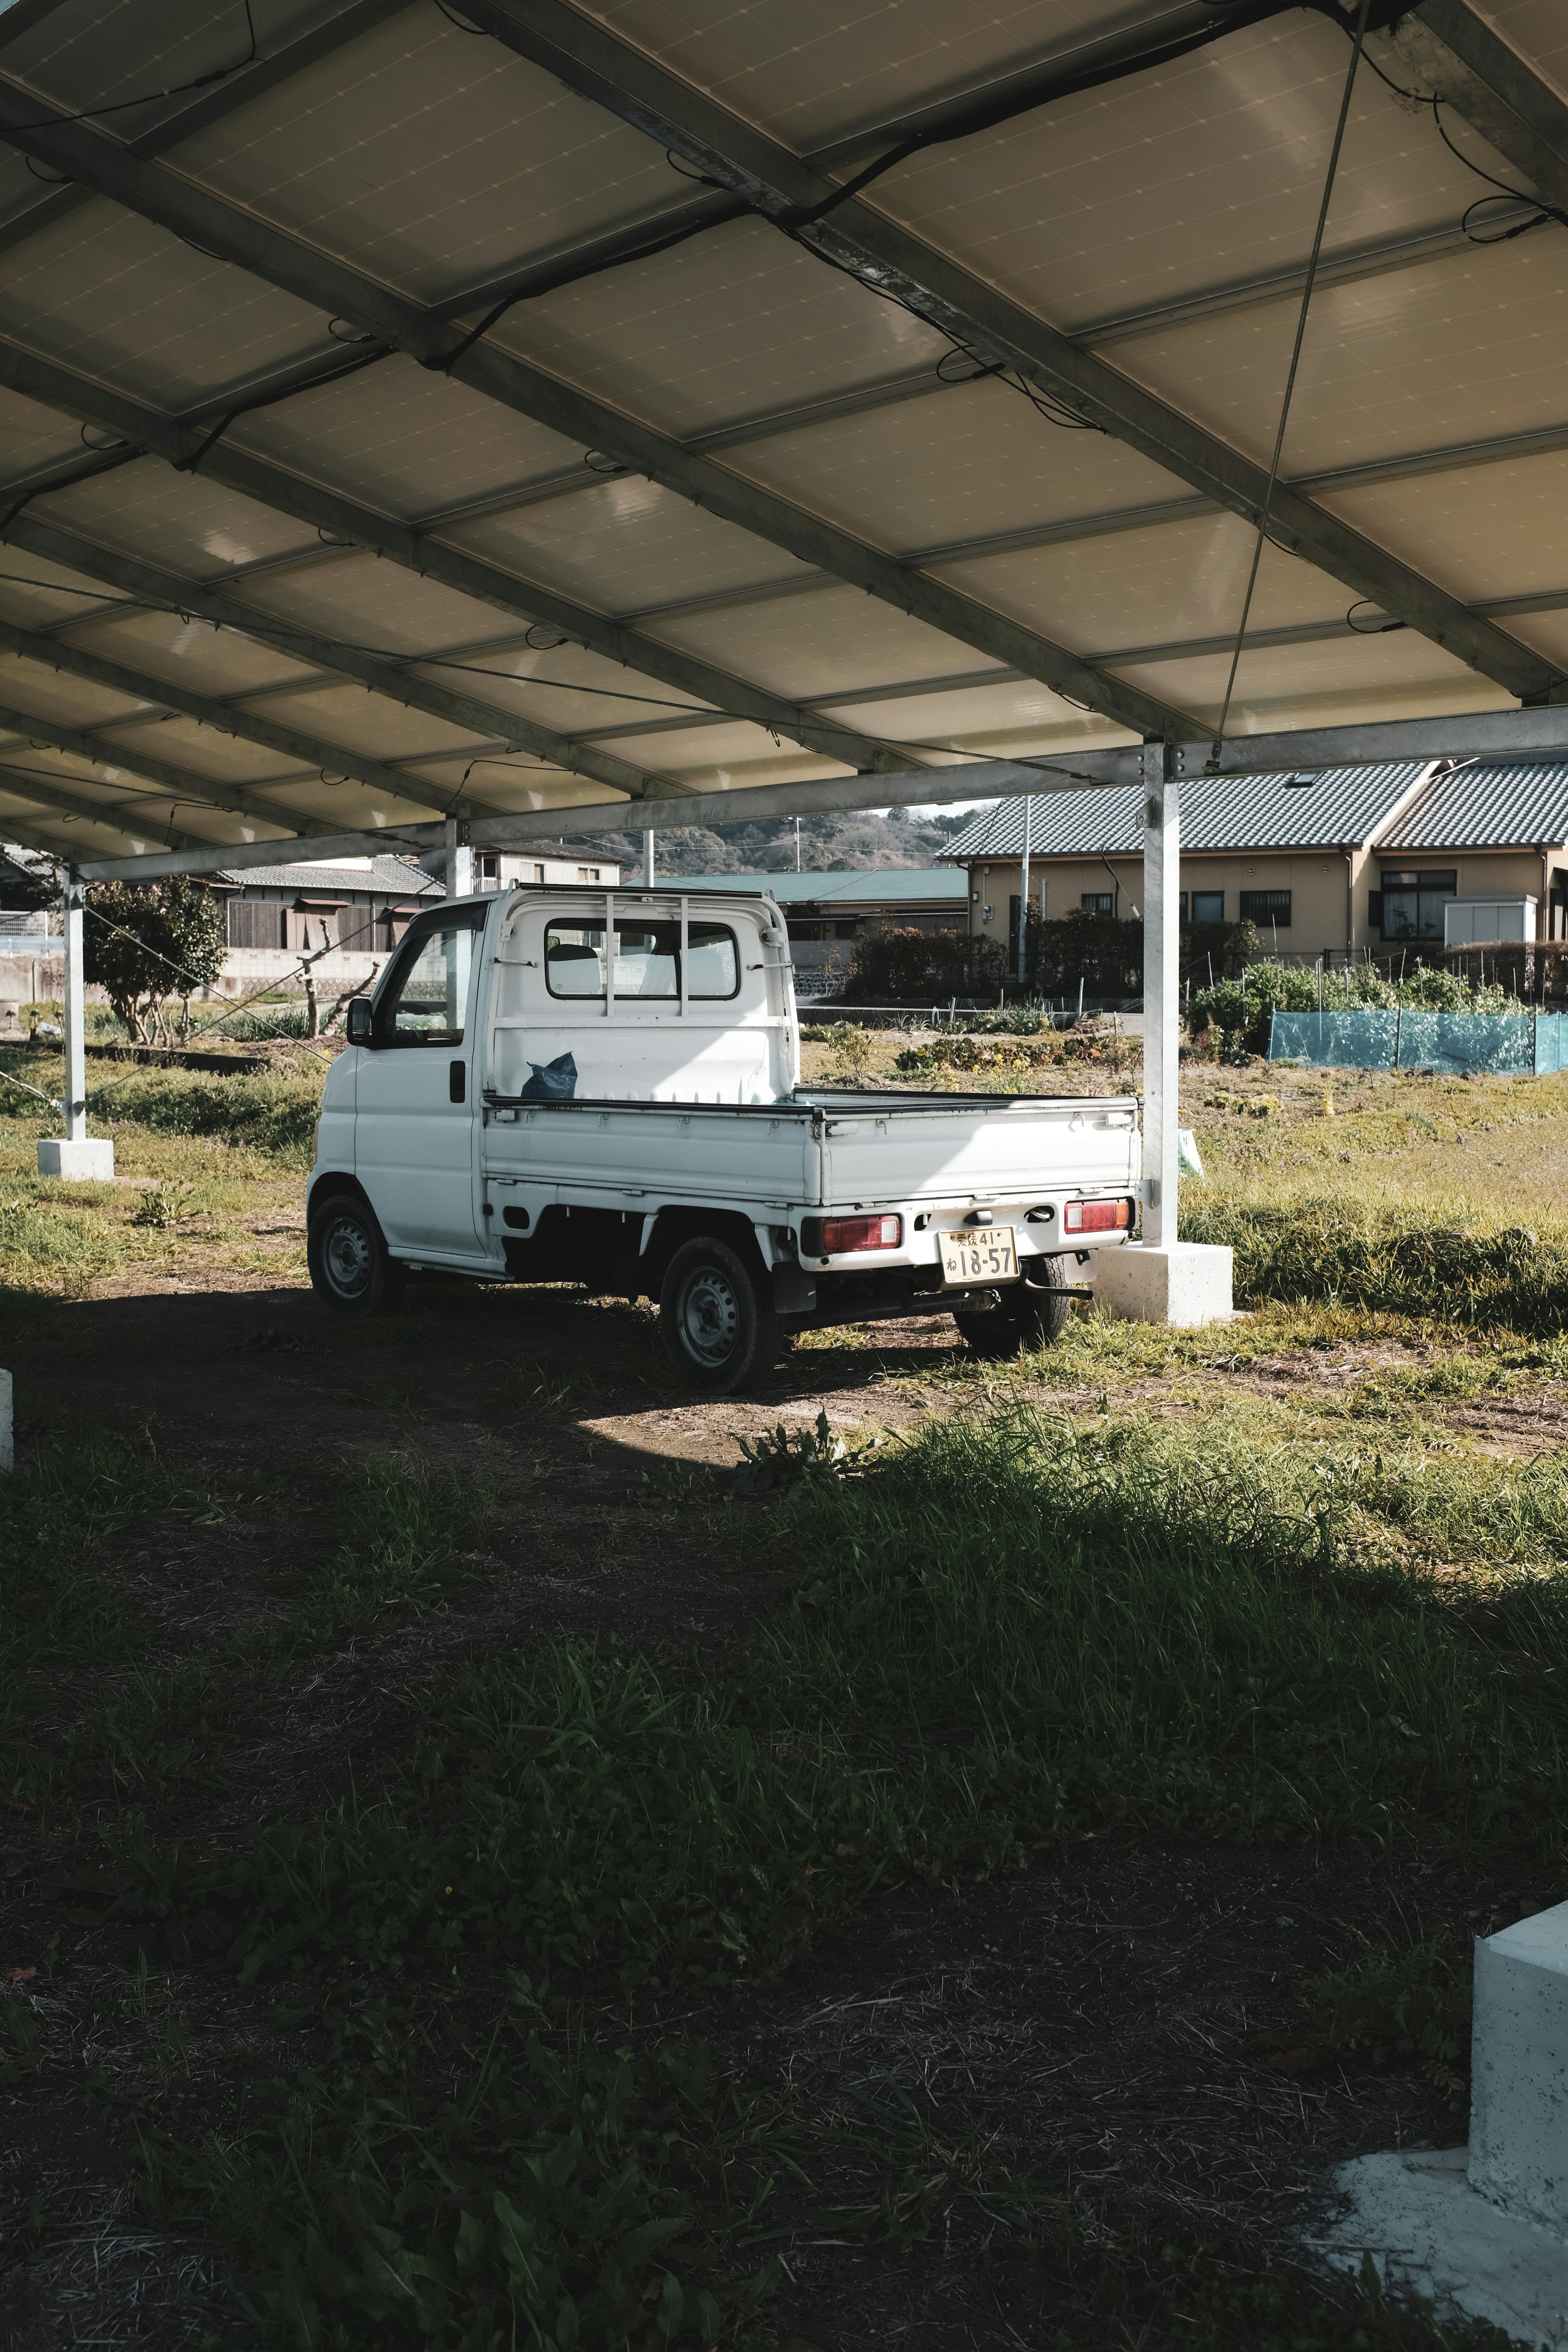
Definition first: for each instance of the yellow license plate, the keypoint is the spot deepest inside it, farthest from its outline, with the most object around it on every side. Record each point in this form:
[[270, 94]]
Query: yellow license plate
[[986, 1255]]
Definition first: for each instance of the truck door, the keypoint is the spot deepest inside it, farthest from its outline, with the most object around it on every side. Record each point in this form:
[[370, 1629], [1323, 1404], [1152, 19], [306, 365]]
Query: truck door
[[416, 1102]]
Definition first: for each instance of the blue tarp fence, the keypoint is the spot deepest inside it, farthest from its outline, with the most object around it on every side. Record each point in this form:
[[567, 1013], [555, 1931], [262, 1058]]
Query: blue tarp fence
[[1523, 1045]]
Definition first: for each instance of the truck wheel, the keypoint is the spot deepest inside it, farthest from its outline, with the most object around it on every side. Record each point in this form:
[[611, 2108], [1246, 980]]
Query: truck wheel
[[350, 1270], [1032, 1312], [718, 1329]]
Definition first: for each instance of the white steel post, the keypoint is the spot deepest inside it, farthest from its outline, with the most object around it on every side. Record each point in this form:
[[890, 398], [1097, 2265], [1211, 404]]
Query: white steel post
[[75, 1155], [1024, 898], [647, 861], [1161, 879], [459, 862], [76, 1014]]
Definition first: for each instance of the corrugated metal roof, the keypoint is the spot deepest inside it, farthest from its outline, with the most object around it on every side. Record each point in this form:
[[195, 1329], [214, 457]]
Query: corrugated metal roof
[[381, 874], [1337, 806], [878, 885], [1503, 807]]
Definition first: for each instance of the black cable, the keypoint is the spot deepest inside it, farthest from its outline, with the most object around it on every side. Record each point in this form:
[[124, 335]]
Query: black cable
[[1311, 278], [147, 98], [1545, 209], [278, 633]]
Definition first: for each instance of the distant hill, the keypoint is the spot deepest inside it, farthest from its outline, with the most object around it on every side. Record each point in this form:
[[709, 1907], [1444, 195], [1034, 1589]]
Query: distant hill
[[850, 843]]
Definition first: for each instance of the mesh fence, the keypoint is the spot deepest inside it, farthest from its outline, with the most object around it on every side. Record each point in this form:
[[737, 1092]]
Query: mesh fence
[[1519, 1045]]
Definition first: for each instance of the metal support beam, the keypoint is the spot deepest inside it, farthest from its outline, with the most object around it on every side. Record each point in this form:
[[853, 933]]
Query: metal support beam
[[170, 592], [75, 1012], [308, 750], [116, 815], [1502, 734], [186, 117], [460, 867], [273, 486], [590, 60], [1161, 1058], [196, 791], [242, 239], [1447, 48]]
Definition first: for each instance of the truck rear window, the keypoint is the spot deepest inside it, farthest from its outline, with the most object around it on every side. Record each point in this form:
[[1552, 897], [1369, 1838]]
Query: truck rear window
[[648, 961]]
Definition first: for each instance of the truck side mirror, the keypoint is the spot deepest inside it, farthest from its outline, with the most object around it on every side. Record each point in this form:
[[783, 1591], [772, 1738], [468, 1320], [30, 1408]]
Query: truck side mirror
[[357, 1028]]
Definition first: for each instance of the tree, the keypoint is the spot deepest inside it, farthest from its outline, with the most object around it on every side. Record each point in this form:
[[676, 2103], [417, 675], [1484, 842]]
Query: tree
[[144, 942], [27, 884]]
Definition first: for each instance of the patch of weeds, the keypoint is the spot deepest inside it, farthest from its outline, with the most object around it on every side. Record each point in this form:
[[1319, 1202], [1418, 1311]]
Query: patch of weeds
[[780, 1462], [1319, 1250], [49, 1244], [164, 1205], [498, 2189], [1390, 2007]]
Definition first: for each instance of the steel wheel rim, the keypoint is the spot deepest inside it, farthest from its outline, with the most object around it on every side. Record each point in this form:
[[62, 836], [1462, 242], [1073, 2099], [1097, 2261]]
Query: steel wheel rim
[[347, 1258], [709, 1317]]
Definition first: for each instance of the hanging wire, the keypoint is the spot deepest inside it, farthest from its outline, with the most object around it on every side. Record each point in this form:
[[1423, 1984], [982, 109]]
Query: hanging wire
[[1290, 377], [147, 97]]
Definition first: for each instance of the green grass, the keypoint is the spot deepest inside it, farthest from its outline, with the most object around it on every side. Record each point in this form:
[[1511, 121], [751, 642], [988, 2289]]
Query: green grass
[[96, 1699], [270, 1112], [1015, 1632], [1036, 1631]]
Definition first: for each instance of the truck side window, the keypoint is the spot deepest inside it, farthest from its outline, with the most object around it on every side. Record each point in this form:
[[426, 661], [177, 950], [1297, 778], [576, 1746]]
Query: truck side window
[[427, 1001], [647, 960]]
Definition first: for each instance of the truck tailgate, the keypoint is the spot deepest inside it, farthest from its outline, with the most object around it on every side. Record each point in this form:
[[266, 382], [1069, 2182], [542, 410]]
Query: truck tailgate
[[876, 1148]]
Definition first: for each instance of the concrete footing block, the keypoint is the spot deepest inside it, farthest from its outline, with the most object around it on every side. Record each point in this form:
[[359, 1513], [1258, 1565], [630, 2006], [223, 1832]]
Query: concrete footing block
[[1483, 2230], [91, 1163], [1430, 2234], [1518, 2069], [1185, 1284]]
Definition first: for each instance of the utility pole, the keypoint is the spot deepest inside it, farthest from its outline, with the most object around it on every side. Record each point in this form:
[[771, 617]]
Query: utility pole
[[1024, 898], [647, 861]]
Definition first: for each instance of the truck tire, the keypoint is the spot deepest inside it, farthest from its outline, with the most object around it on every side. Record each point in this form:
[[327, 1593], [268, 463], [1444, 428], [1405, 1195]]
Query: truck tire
[[1032, 1312], [350, 1270], [718, 1326]]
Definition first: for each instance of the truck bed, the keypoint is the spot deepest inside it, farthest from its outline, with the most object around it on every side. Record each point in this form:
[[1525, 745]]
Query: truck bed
[[815, 1149]]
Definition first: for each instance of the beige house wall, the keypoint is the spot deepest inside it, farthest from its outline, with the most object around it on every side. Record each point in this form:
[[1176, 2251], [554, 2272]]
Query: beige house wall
[[1324, 921]]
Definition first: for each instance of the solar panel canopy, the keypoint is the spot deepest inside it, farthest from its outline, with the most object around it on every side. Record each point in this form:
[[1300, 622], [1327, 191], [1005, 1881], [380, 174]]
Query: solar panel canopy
[[517, 409]]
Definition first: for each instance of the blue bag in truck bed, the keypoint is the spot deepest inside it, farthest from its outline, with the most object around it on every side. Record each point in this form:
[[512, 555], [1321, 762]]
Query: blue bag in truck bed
[[553, 1081]]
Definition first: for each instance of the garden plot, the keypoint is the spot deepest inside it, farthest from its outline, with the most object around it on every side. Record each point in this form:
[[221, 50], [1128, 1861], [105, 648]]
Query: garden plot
[[1018, 1857]]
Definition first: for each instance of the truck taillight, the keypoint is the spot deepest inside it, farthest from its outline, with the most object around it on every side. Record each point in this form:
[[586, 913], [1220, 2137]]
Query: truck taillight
[[1096, 1216], [836, 1237]]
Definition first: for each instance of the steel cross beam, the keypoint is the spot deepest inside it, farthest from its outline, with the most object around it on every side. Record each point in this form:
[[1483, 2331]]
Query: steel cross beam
[[591, 60], [196, 791], [109, 812], [272, 485], [174, 595], [1447, 48], [1498, 733], [182, 120], [194, 213], [310, 751]]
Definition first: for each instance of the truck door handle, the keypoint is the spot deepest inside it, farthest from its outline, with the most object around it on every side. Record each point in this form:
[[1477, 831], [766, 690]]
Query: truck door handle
[[458, 1082]]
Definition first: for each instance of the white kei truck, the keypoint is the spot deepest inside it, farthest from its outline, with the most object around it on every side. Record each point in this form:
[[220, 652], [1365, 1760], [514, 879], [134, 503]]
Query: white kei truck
[[603, 1087]]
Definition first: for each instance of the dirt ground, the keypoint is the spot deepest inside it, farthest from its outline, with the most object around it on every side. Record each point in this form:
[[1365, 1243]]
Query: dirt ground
[[1076, 2060]]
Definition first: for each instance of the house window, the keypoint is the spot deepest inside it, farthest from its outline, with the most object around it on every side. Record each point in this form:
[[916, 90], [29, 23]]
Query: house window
[[1270, 909], [489, 868], [1413, 903], [1209, 906], [588, 874], [1098, 902]]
